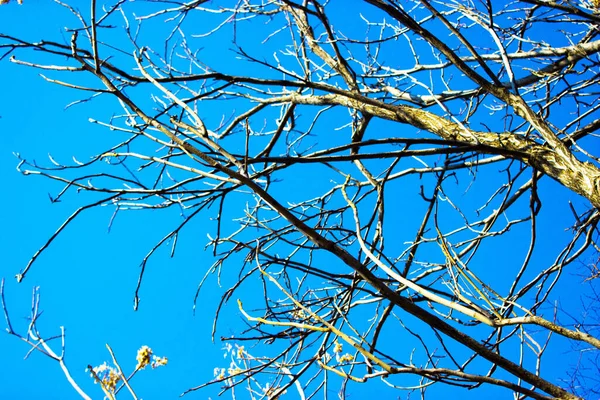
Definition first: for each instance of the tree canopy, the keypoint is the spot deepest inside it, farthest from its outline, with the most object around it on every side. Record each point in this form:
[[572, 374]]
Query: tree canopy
[[397, 195]]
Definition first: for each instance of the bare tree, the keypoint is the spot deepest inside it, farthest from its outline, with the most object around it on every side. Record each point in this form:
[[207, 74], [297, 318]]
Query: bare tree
[[374, 155]]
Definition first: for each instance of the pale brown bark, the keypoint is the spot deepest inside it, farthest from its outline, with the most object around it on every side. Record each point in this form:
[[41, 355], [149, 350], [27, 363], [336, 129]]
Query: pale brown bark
[[559, 162]]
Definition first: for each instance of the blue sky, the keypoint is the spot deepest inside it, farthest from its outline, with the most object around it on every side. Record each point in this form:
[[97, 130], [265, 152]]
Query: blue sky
[[88, 276]]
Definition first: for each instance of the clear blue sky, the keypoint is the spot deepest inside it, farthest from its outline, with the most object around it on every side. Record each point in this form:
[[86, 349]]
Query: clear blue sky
[[88, 276]]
